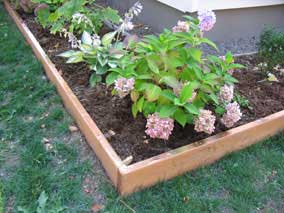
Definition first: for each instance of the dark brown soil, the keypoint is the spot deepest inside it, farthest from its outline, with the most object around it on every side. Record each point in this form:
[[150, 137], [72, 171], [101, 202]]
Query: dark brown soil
[[112, 113]]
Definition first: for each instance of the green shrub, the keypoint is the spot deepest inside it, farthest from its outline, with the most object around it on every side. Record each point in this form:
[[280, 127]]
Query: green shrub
[[75, 16], [271, 47]]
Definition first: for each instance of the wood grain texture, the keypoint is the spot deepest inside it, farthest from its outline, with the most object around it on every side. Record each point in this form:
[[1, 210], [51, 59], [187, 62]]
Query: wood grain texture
[[94, 136], [176, 162]]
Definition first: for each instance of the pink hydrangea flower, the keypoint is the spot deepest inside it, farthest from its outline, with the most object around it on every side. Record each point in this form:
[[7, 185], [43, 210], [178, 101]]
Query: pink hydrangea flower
[[182, 26], [205, 122], [231, 71], [123, 86], [207, 20], [233, 115], [159, 127], [226, 94]]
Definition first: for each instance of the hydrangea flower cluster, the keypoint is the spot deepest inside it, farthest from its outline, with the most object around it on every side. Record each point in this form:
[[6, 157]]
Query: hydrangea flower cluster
[[205, 122], [182, 26], [226, 94], [233, 115], [123, 86], [126, 23], [207, 20], [157, 127]]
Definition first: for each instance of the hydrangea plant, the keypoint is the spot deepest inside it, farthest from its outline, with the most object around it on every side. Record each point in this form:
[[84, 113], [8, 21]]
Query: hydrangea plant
[[171, 80]]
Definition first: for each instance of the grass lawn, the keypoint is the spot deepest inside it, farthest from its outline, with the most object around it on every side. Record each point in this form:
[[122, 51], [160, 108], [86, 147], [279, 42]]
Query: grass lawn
[[45, 166]]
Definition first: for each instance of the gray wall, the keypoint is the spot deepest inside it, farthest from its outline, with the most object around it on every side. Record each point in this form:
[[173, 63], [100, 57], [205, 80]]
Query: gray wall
[[232, 25]]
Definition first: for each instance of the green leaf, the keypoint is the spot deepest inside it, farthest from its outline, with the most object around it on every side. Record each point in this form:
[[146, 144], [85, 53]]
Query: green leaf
[[198, 72], [236, 66], [168, 94], [70, 53], [42, 16], [111, 78], [75, 59], [94, 79], [180, 117], [230, 79], [149, 108], [140, 104], [195, 54], [107, 39], [134, 110], [167, 111], [187, 91], [153, 92], [214, 98], [220, 110], [152, 65], [177, 102], [210, 43], [229, 58], [100, 70], [191, 108], [171, 81], [144, 77], [42, 202], [134, 95], [111, 15]]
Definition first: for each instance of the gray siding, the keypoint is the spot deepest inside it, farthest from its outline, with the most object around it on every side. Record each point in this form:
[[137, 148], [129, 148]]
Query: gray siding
[[232, 25]]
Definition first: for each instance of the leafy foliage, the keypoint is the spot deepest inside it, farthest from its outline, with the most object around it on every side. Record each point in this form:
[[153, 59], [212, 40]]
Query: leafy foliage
[[172, 78], [53, 4], [100, 58], [88, 19], [271, 47]]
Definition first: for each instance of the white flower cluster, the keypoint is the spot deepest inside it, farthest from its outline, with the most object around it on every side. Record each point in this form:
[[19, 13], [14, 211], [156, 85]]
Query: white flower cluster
[[126, 23], [123, 86], [182, 26], [205, 122], [81, 18], [233, 115], [93, 40], [72, 39], [226, 94]]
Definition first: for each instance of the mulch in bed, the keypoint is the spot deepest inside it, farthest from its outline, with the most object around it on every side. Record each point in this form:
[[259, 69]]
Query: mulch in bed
[[111, 113]]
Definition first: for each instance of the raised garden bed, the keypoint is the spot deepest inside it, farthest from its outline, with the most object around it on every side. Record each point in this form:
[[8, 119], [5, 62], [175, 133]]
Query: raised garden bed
[[154, 160]]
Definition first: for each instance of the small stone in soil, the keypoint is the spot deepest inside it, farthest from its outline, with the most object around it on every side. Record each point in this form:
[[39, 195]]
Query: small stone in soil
[[73, 128], [109, 134], [146, 141]]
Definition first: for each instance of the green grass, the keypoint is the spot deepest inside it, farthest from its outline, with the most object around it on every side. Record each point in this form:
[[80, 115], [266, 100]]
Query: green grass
[[247, 181], [1, 199], [27, 102], [244, 182]]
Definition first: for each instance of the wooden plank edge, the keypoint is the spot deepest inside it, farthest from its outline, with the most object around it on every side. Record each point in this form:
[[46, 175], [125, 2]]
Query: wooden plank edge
[[176, 162], [110, 160]]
